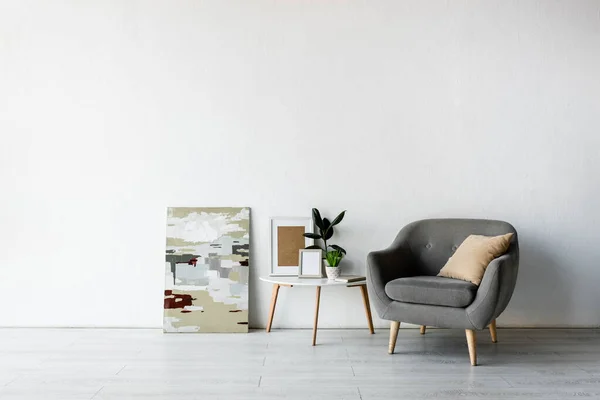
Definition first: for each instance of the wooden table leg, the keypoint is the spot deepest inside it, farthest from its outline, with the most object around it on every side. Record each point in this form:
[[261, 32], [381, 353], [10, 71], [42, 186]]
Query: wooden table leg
[[273, 303], [314, 341], [365, 296]]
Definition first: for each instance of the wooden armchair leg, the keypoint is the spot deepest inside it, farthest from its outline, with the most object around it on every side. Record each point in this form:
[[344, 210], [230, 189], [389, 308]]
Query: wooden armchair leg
[[423, 329], [395, 325], [472, 343], [493, 331]]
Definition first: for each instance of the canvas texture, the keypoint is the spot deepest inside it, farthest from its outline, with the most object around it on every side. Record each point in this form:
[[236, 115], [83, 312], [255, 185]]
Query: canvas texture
[[473, 256], [206, 270]]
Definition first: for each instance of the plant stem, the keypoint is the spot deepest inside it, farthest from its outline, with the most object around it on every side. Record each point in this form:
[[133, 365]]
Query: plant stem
[[325, 244]]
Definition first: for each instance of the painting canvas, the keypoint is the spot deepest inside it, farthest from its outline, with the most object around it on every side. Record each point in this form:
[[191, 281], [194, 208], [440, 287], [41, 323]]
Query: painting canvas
[[206, 270]]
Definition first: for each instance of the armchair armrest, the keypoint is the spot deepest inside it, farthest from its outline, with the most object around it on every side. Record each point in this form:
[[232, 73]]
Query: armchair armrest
[[495, 290], [391, 263], [384, 266]]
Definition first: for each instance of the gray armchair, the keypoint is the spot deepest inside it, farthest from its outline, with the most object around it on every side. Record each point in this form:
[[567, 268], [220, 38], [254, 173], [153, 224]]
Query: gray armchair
[[403, 284]]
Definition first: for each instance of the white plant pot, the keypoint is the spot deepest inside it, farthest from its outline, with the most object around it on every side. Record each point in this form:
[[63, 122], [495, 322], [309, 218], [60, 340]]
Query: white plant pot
[[332, 272]]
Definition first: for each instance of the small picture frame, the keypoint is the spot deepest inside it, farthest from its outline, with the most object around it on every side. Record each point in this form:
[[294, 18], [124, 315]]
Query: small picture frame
[[311, 262]]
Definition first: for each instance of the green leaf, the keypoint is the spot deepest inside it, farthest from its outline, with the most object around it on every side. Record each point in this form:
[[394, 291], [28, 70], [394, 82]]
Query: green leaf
[[311, 235], [317, 218], [334, 257], [313, 247], [339, 218], [328, 233], [338, 248], [326, 227]]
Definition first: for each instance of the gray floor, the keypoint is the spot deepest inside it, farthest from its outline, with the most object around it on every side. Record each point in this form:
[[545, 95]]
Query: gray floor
[[346, 364]]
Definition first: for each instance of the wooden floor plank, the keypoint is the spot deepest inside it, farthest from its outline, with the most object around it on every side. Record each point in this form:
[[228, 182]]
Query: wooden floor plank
[[347, 364]]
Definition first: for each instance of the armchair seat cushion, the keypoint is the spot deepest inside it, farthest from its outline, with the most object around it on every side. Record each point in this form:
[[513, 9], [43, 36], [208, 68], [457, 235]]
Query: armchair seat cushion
[[432, 290]]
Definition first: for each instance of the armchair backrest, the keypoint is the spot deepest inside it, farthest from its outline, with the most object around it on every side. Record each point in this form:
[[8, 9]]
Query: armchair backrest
[[433, 241]]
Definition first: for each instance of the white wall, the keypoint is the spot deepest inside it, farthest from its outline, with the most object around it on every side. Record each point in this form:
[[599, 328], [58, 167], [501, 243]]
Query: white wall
[[394, 110]]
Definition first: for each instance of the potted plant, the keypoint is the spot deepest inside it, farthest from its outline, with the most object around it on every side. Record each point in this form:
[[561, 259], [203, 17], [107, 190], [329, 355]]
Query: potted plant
[[332, 260], [333, 253]]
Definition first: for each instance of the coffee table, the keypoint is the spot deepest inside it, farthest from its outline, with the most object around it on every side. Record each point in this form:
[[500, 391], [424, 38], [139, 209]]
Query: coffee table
[[285, 281]]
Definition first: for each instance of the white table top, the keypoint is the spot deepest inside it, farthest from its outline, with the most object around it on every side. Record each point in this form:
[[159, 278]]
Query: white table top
[[295, 281]]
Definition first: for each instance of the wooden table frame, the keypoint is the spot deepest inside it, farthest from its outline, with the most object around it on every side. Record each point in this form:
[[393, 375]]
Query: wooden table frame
[[365, 296]]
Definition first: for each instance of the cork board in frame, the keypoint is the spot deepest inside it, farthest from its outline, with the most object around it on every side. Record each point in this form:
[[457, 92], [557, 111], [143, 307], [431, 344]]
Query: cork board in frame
[[286, 241]]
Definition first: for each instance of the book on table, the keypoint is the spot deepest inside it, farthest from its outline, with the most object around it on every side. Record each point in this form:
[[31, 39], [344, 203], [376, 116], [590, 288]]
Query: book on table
[[350, 278]]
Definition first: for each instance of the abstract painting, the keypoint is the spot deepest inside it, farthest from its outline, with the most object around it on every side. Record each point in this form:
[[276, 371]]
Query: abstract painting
[[206, 270]]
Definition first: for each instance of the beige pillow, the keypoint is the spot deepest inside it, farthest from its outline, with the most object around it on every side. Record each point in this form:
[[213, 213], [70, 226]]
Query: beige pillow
[[473, 256]]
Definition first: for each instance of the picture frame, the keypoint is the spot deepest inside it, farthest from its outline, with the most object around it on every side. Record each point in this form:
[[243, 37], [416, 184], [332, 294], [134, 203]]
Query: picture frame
[[311, 263], [286, 241]]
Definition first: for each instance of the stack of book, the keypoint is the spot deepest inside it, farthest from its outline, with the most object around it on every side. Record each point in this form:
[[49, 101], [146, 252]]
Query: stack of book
[[350, 278]]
